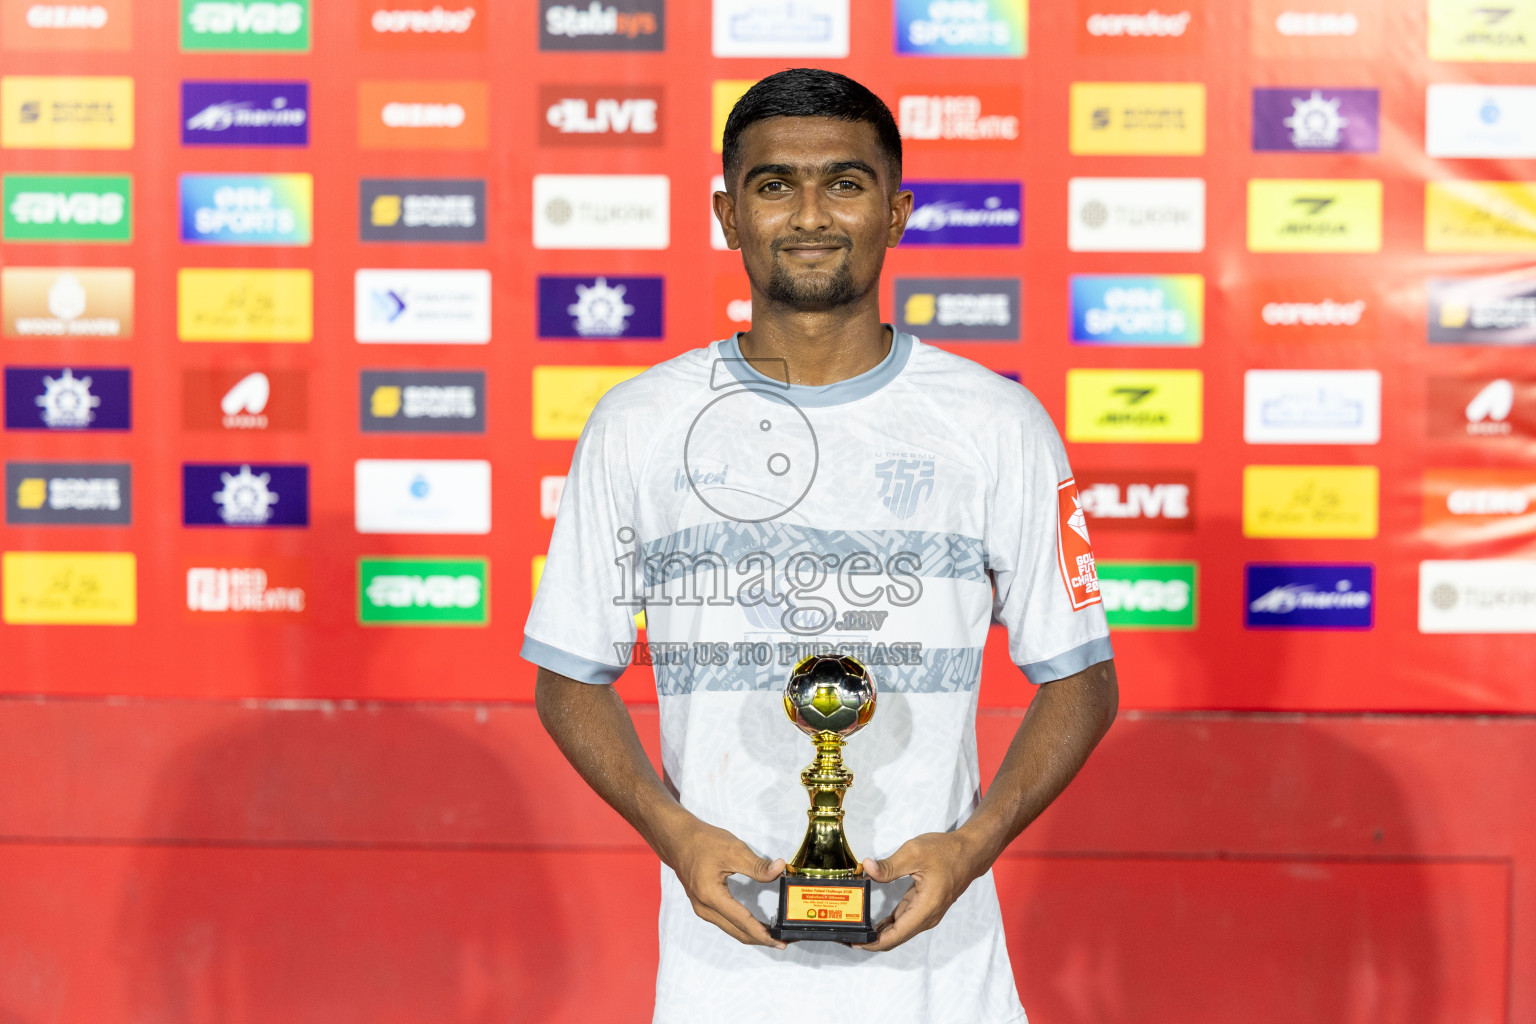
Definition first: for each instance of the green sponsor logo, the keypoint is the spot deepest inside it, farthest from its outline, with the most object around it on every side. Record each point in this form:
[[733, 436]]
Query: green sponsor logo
[[422, 592], [1149, 595], [68, 208], [245, 25]]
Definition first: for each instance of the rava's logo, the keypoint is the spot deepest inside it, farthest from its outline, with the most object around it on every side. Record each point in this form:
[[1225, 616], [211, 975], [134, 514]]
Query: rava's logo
[[1479, 216], [958, 308], [244, 494], [69, 587], [415, 26], [1135, 405], [1149, 595], [599, 25], [1481, 408], [1493, 595], [245, 113], [274, 588], [423, 592], [424, 306], [423, 401], [1122, 309], [68, 493], [983, 115], [1467, 30], [961, 28], [601, 115], [1495, 310], [1316, 120], [67, 398], [68, 208], [1312, 406], [1307, 215], [247, 209], [1480, 121], [1136, 214], [259, 400], [601, 211], [245, 25], [1137, 118], [600, 307], [1119, 500], [422, 209], [1280, 596], [965, 213], [444, 496], [67, 302], [1310, 501], [780, 28]]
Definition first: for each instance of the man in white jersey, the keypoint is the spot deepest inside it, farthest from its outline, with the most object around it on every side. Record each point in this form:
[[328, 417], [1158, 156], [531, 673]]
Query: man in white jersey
[[821, 480]]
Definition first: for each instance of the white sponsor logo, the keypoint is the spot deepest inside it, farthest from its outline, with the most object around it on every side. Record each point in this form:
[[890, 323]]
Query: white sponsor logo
[[1129, 310], [1153, 23], [68, 208], [1480, 121], [1317, 23], [245, 209], [246, 499], [1487, 501], [417, 21], [438, 211], [551, 490], [91, 16], [437, 402], [428, 306], [1136, 214], [780, 28], [1312, 406], [244, 404], [422, 115], [601, 211], [952, 117], [1144, 595], [1285, 599], [84, 494], [606, 116], [1477, 596], [1142, 501], [1488, 412], [437, 591], [67, 401], [239, 590], [422, 496], [1326, 313], [258, 19], [958, 23], [218, 117]]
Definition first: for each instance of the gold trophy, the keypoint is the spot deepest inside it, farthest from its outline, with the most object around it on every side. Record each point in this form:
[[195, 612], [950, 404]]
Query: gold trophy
[[824, 893]]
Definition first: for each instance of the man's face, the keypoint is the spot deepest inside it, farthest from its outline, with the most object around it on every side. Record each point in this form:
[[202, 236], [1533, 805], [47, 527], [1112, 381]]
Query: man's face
[[813, 210]]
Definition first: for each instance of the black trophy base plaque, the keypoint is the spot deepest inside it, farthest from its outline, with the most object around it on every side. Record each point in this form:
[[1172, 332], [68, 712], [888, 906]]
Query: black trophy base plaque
[[823, 910]]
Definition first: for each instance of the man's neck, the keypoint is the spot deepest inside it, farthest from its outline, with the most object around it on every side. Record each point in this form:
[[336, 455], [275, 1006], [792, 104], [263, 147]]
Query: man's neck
[[816, 348]]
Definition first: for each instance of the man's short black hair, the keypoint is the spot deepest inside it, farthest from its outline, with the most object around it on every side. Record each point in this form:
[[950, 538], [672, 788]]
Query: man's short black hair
[[809, 92]]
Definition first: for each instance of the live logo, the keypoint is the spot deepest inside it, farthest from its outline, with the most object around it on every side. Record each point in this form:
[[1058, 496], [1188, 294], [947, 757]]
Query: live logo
[[1138, 499]]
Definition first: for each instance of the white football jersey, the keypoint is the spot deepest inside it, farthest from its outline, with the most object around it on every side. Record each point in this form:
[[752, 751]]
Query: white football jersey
[[892, 516]]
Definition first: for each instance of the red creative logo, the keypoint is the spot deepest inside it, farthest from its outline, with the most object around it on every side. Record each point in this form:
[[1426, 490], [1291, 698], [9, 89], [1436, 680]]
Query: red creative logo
[[1140, 26], [601, 115], [256, 588], [978, 116], [1481, 408], [1312, 309], [1074, 552], [1138, 499]]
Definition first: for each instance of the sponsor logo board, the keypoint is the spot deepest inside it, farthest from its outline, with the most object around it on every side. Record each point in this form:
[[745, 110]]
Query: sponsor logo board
[[1131, 309], [564, 396], [244, 495], [733, 305], [422, 496], [1312, 406], [272, 25], [68, 207], [965, 213], [1139, 499], [1475, 30], [422, 401], [1474, 506], [422, 306], [601, 115], [723, 94], [1348, 30], [247, 209], [976, 116], [1150, 595], [1314, 215], [245, 113], [59, 112], [1290, 596], [67, 302], [780, 28], [254, 400], [601, 211], [1480, 216], [1496, 310], [1311, 309], [1137, 118], [1136, 214], [248, 304], [423, 592], [395, 25], [68, 398], [962, 28], [421, 209], [600, 307], [1479, 407], [252, 589], [1134, 406], [68, 493], [1316, 120], [74, 588], [958, 308], [1115, 27], [602, 25], [1477, 596], [1310, 501], [42, 25], [423, 115], [1480, 121]]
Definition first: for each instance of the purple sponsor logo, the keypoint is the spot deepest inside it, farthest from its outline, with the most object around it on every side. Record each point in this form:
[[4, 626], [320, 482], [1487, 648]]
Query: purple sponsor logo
[[244, 494], [1316, 120], [1310, 596], [245, 113], [965, 213], [67, 398], [600, 308]]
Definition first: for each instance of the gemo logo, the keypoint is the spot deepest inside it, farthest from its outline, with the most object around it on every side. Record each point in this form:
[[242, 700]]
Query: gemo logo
[[633, 116], [422, 115], [68, 208], [1153, 23], [1317, 23], [246, 18], [66, 16]]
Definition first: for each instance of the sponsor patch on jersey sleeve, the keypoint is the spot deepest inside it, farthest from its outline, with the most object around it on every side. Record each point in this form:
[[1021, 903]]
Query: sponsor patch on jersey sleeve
[[1074, 552]]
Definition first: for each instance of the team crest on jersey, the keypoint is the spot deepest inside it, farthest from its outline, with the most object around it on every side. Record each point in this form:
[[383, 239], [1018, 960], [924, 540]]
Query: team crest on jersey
[[1074, 551], [905, 483]]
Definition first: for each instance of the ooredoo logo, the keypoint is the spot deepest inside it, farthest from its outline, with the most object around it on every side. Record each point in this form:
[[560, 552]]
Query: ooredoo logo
[[616, 25], [600, 115], [1311, 309], [1140, 26], [422, 115], [408, 26], [1317, 29]]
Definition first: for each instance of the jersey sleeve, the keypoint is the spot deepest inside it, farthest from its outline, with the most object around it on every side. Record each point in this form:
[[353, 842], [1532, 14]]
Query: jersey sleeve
[[1046, 586], [582, 620]]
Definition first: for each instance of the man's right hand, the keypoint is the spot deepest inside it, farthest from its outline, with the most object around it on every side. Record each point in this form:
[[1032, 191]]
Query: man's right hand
[[704, 856]]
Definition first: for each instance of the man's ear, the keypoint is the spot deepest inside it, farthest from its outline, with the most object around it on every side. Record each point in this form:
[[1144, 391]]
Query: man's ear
[[901, 210], [725, 212]]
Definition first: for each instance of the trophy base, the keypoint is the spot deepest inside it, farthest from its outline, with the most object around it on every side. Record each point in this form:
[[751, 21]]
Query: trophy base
[[823, 910]]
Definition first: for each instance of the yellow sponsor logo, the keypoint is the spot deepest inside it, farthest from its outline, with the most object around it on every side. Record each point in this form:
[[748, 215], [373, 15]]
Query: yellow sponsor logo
[[385, 211], [1310, 501], [1480, 216], [920, 308], [1476, 30], [1138, 118], [31, 492], [244, 305], [1147, 406], [564, 396], [83, 588], [1314, 215], [723, 96], [60, 112], [385, 402]]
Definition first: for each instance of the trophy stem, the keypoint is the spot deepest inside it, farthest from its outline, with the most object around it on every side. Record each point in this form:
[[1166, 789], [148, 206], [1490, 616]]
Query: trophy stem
[[824, 852]]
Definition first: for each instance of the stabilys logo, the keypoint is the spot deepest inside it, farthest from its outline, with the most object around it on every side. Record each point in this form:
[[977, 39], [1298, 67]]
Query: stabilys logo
[[1477, 30], [601, 115], [984, 115], [78, 588], [68, 493], [601, 211], [67, 302], [1480, 121], [958, 308], [256, 400], [271, 588], [249, 304], [564, 396], [1312, 406], [1281, 596], [66, 112], [423, 115], [1137, 118], [600, 307], [280, 26], [1477, 506], [1136, 214], [615, 25], [1477, 407], [965, 213], [245, 113], [1127, 500], [247, 209], [1495, 310], [780, 28], [422, 401], [1310, 501], [1074, 550], [1476, 596], [1314, 215], [421, 209], [1116, 27], [423, 306], [1316, 120], [1134, 406], [415, 26], [34, 25], [423, 592], [1125, 309], [67, 398], [1149, 595], [962, 28], [68, 208], [1480, 216], [244, 494]]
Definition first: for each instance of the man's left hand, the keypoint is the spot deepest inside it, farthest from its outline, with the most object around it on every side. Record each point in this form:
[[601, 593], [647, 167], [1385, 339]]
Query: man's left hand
[[942, 866]]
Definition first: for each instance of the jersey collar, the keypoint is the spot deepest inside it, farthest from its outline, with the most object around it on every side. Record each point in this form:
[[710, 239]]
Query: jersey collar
[[818, 395]]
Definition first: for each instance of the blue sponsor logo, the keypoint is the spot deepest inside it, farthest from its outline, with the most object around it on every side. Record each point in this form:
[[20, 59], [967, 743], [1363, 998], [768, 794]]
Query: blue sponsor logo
[[247, 209], [245, 113], [67, 398], [600, 307], [1126, 309], [1310, 596], [965, 213], [244, 494]]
